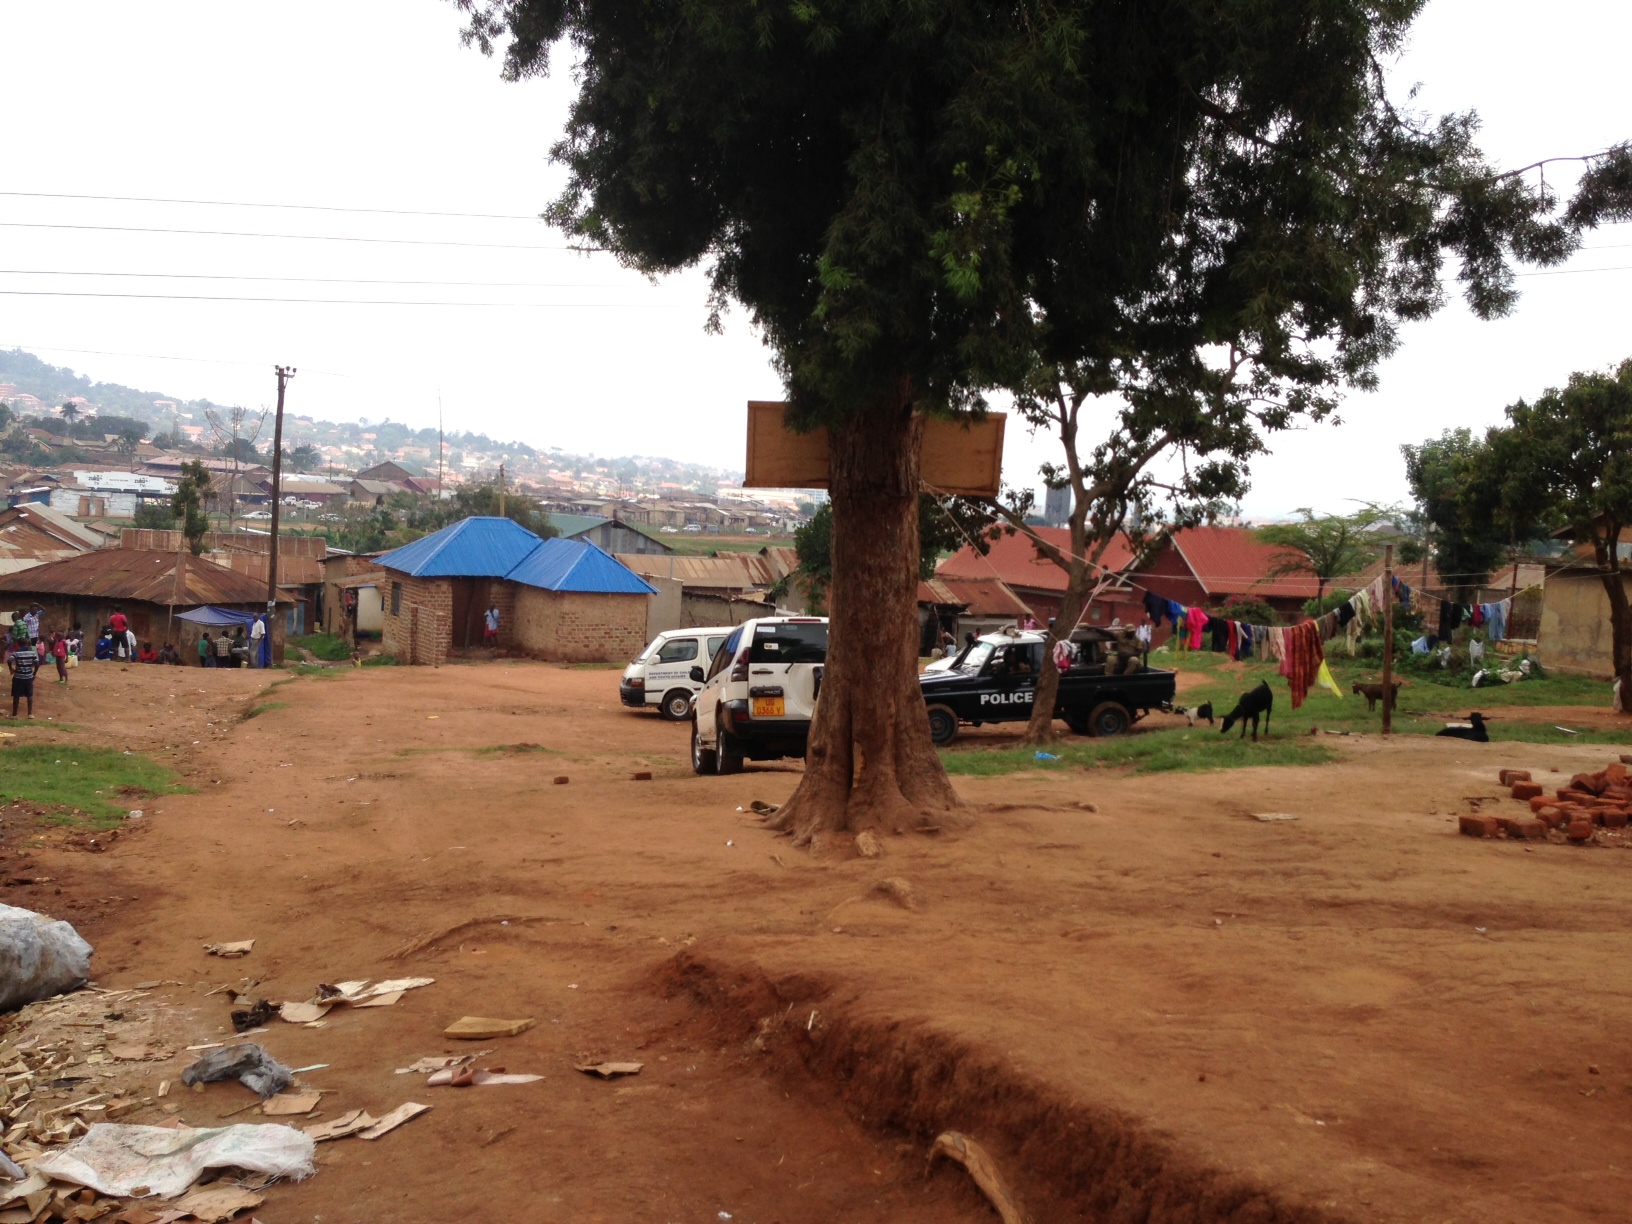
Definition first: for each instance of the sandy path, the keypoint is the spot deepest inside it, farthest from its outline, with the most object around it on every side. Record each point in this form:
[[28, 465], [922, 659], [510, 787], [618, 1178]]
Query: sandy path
[[1311, 1004]]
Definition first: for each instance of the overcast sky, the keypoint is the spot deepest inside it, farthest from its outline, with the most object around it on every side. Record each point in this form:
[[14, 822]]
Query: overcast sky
[[374, 104]]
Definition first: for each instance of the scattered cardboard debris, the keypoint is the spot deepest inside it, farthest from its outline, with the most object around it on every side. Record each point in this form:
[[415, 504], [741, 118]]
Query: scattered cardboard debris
[[1271, 817], [896, 889], [609, 1070], [231, 950], [351, 1123], [218, 1201], [303, 1013], [285, 1104], [424, 1066], [130, 1051], [402, 1113], [482, 1028], [467, 1077]]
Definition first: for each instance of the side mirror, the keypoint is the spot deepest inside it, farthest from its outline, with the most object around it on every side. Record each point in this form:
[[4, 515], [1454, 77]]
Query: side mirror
[[696, 674]]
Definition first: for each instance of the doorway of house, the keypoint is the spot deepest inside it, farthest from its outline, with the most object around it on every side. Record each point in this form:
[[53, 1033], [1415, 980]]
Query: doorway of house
[[470, 601]]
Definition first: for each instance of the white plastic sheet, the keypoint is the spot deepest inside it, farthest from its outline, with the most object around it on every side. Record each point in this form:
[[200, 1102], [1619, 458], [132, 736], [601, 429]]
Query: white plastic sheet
[[116, 1159]]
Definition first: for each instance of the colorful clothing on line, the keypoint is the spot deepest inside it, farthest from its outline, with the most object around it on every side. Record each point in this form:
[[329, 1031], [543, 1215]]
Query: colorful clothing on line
[[1196, 619], [1301, 658]]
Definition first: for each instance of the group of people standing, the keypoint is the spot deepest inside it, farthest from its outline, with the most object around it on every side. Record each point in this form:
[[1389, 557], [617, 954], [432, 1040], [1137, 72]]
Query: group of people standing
[[26, 653], [237, 649]]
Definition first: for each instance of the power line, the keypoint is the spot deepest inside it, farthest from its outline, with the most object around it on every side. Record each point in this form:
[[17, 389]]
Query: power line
[[384, 212], [303, 280], [204, 297], [147, 229]]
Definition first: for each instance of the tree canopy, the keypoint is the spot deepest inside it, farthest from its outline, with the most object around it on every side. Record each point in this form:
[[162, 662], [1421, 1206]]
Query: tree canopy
[[1325, 546]]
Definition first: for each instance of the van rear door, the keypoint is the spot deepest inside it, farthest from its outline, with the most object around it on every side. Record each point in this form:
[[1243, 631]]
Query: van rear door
[[785, 659]]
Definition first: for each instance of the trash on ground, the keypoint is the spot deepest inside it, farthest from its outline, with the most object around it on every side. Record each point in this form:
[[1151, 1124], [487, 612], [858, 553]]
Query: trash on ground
[[9, 1169], [763, 809], [248, 1062], [609, 1070], [467, 1077], [1045, 756], [1566, 730], [1271, 817], [349, 1123], [219, 1201], [252, 1017], [231, 950], [285, 1104], [896, 889], [39, 957], [424, 1066], [128, 1051], [117, 1159], [357, 994], [481, 1028], [402, 1113], [303, 1013]]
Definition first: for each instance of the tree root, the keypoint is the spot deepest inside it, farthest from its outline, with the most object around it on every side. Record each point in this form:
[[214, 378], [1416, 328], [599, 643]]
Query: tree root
[[983, 1169]]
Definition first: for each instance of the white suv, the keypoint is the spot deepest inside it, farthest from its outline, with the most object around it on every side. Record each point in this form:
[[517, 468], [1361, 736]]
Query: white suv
[[759, 693], [661, 676]]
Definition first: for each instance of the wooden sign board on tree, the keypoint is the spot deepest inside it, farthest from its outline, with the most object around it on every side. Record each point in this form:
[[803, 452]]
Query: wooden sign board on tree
[[964, 457]]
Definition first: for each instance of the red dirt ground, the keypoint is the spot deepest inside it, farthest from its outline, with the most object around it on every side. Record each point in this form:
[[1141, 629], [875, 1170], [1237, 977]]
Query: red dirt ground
[[1353, 1015]]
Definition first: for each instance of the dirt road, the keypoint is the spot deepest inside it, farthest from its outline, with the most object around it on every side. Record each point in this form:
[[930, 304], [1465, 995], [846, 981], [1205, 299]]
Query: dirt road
[[1163, 1008]]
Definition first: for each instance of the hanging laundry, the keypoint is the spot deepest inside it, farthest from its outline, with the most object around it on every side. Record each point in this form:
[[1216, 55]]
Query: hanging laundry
[[1196, 619], [1345, 612], [1352, 633], [1243, 648], [1233, 644], [1324, 677], [1476, 617], [1445, 625], [1326, 625], [1496, 631], [1301, 657], [1277, 642], [1218, 632]]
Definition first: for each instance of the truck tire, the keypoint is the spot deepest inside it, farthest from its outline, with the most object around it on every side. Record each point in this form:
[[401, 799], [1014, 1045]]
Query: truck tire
[[1109, 718], [676, 705], [943, 724], [728, 754], [702, 759]]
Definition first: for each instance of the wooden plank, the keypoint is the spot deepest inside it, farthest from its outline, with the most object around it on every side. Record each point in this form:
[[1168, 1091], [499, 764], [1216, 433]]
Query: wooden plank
[[963, 457]]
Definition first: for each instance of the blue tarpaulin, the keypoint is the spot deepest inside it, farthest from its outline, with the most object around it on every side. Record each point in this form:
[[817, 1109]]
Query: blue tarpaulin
[[211, 615]]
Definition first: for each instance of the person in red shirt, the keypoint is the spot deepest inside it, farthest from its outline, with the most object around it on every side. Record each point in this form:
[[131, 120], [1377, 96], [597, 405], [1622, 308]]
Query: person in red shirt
[[148, 654], [121, 634], [59, 652]]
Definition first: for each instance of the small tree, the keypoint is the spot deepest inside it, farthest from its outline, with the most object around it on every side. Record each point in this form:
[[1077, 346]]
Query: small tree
[[188, 504], [70, 413], [1465, 540], [1567, 459], [1324, 545]]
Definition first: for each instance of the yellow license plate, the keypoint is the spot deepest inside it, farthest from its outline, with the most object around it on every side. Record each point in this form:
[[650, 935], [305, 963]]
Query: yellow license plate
[[770, 707]]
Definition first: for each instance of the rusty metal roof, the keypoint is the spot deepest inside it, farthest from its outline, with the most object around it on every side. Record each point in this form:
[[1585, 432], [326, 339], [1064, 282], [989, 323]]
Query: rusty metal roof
[[726, 572], [985, 596], [934, 591], [170, 579], [292, 571]]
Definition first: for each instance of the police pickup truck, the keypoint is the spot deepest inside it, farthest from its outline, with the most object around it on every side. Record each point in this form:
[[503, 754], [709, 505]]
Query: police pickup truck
[[1106, 689]]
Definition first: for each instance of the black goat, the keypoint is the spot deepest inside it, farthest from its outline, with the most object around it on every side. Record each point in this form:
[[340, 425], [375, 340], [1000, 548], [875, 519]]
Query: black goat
[[1476, 733], [1205, 710], [1259, 701]]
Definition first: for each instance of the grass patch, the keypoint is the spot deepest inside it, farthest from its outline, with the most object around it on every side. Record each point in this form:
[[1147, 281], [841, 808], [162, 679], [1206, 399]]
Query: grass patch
[[1186, 750], [380, 660], [325, 646], [85, 785], [515, 750], [40, 722], [255, 711], [1427, 701], [596, 666], [1502, 731]]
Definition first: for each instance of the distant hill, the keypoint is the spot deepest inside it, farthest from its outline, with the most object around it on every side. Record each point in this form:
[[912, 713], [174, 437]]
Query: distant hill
[[54, 384]]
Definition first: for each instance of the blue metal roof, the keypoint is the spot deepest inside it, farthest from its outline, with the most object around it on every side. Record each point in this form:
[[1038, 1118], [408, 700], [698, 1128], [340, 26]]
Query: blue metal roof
[[477, 547], [577, 565]]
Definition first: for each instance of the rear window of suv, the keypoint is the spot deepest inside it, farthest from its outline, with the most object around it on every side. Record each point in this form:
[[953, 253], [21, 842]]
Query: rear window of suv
[[804, 642]]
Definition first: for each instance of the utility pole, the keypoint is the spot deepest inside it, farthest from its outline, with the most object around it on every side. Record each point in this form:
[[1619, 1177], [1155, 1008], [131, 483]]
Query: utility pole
[[441, 447], [1388, 640], [501, 490], [285, 373]]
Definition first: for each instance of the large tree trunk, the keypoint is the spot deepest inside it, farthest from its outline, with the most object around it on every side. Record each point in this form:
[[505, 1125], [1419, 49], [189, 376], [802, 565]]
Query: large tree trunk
[[1620, 627], [870, 763]]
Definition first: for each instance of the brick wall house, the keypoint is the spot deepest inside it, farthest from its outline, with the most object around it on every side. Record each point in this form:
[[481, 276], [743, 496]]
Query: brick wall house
[[570, 627]]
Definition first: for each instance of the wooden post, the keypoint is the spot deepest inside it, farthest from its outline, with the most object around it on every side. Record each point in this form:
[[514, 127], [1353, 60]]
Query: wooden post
[[1388, 640]]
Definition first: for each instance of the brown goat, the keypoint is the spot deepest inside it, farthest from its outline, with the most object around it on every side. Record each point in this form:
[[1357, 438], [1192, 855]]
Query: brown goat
[[1373, 693]]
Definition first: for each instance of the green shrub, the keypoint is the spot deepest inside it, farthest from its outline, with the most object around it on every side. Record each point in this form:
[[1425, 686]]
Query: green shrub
[[325, 646]]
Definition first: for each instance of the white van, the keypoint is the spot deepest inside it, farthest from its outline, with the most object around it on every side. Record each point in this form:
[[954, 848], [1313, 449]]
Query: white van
[[661, 676]]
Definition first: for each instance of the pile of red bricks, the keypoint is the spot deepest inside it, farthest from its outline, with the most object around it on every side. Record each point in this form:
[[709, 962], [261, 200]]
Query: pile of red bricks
[[1585, 804]]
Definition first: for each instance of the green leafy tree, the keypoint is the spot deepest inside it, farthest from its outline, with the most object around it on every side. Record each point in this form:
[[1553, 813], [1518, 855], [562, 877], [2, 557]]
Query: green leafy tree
[[155, 516], [1566, 459], [304, 458], [1446, 474], [6, 416], [188, 504], [70, 413], [1325, 546], [917, 203]]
